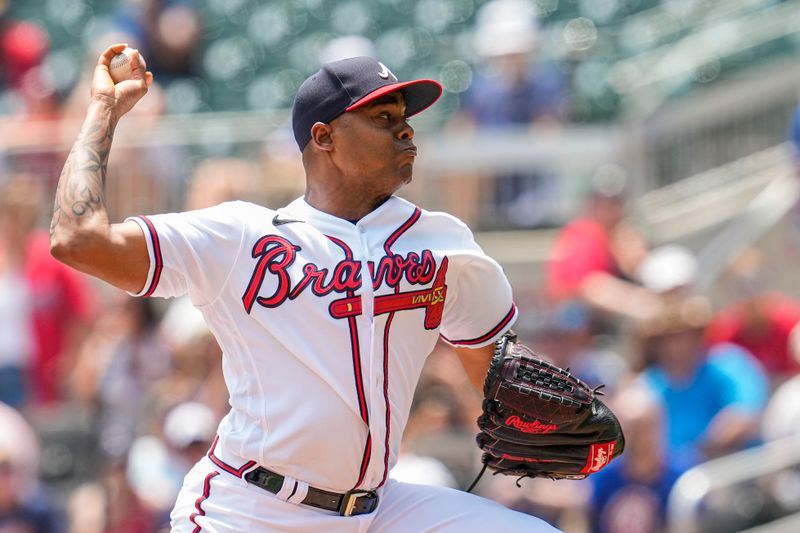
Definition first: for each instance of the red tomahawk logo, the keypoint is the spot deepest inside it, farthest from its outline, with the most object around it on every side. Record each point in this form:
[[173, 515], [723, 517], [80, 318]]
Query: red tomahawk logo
[[432, 300]]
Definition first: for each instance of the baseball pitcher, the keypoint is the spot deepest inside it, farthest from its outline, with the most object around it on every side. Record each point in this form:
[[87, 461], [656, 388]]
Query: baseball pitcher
[[326, 310]]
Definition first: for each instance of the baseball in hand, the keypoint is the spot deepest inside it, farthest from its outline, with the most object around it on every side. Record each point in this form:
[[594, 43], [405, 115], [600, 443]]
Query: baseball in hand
[[120, 66]]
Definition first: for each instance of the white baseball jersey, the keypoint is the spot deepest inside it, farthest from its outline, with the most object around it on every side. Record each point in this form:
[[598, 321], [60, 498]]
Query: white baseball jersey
[[325, 324]]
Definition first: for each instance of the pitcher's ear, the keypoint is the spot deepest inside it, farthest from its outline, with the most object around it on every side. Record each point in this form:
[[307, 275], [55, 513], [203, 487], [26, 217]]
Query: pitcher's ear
[[321, 136]]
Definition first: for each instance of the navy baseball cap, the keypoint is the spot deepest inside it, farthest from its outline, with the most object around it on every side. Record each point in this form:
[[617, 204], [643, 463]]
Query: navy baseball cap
[[347, 84]]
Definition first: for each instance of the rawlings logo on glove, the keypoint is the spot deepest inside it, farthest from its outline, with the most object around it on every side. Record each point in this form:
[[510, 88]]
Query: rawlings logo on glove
[[541, 421], [516, 422]]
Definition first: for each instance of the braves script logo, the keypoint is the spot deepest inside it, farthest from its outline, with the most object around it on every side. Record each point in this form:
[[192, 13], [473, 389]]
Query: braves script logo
[[276, 254], [535, 427]]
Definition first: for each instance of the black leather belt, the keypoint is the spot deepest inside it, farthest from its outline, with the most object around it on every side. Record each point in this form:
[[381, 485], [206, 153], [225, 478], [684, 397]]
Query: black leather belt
[[353, 502]]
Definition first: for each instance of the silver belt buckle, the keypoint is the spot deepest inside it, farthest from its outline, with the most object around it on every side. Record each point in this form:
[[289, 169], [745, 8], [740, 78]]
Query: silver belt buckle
[[350, 502]]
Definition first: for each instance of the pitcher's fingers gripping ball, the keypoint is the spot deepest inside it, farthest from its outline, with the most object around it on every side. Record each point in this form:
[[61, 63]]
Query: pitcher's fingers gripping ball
[[109, 86], [540, 421], [120, 67]]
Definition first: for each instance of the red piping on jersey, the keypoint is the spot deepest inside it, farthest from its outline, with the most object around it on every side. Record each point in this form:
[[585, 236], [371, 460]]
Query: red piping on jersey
[[365, 459], [156, 255], [386, 396], [494, 331], [356, 350], [198, 504], [238, 472], [357, 374], [402, 229], [387, 246], [362, 401]]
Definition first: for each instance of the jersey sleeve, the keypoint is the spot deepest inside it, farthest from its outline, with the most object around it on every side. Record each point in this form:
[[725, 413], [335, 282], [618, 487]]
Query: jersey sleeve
[[479, 306], [191, 253]]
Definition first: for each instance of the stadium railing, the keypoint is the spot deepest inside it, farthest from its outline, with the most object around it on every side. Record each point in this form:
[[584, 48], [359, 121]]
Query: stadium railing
[[738, 491]]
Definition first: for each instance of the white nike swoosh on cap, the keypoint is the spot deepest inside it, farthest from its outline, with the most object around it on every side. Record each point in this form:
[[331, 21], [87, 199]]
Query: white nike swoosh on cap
[[384, 73]]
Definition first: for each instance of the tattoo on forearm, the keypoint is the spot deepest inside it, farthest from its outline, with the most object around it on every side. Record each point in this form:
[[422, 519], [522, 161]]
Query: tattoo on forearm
[[80, 193]]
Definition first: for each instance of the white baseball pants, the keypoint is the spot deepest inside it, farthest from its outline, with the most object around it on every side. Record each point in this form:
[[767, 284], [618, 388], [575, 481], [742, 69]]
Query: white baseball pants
[[215, 501]]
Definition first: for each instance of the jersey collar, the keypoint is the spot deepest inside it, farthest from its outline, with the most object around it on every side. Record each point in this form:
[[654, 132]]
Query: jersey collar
[[389, 213]]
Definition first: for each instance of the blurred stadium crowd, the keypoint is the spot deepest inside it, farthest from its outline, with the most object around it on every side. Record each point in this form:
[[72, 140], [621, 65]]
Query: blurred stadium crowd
[[106, 401]]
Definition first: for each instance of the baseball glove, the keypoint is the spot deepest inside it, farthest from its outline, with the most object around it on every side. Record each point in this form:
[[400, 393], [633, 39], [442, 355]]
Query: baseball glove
[[541, 421]]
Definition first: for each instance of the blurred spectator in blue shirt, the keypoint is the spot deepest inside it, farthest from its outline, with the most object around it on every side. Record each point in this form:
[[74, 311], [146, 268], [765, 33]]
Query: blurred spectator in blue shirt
[[513, 89], [713, 397]]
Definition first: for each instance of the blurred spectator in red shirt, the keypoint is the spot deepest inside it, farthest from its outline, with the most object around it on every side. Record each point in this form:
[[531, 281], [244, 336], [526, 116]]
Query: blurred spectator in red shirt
[[32, 92], [58, 297], [595, 255], [61, 314], [16, 336], [759, 320]]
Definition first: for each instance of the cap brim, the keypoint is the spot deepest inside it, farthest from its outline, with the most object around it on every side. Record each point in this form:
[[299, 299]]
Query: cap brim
[[419, 95]]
